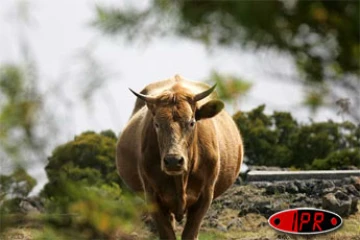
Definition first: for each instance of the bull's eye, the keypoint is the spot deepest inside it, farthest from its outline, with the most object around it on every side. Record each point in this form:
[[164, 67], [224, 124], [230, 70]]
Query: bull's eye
[[156, 125], [192, 122]]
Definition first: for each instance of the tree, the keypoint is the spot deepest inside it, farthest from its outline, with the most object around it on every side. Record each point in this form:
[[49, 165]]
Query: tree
[[321, 36]]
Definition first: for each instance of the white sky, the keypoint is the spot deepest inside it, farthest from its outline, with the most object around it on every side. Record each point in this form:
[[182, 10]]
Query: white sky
[[60, 30]]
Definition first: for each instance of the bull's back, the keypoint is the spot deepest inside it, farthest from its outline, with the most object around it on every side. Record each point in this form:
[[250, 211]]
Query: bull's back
[[231, 152]]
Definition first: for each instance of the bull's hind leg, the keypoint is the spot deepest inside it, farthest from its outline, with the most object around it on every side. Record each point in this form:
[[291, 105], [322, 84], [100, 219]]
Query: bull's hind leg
[[195, 216]]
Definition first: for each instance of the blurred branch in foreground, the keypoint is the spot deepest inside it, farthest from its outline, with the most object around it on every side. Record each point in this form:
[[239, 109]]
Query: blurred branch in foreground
[[321, 36], [230, 88]]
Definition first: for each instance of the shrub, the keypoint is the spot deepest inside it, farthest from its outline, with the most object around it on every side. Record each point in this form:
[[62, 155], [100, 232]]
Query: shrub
[[88, 159], [83, 198], [279, 140], [338, 160]]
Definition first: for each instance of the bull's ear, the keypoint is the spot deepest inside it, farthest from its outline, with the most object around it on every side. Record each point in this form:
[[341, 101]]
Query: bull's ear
[[209, 109]]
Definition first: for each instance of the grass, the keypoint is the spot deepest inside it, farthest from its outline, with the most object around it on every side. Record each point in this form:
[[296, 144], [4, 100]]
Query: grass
[[253, 226]]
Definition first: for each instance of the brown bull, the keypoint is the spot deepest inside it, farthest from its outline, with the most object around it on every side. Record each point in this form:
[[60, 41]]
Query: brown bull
[[182, 149]]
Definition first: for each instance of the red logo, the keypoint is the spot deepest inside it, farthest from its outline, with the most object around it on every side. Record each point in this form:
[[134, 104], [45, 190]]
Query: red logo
[[305, 221]]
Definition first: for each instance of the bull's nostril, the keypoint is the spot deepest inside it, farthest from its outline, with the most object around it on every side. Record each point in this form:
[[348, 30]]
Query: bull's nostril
[[167, 162], [181, 161]]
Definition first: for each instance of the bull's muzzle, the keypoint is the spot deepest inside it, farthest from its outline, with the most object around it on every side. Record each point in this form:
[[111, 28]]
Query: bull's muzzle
[[174, 164]]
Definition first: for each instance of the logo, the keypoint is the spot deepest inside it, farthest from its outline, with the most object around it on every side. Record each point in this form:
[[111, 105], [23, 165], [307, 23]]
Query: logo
[[305, 221]]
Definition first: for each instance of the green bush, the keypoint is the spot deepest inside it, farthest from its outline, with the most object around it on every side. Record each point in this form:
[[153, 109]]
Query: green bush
[[279, 140], [88, 159], [83, 198], [340, 159]]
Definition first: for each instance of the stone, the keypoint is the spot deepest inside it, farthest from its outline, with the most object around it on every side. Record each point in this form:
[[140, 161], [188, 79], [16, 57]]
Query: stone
[[32, 205], [323, 187], [234, 223], [338, 202], [347, 180], [351, 189], [291, 188], [275, 188], [221, 227], [261, 184], [356, 182], [301, 185], [354, 203]]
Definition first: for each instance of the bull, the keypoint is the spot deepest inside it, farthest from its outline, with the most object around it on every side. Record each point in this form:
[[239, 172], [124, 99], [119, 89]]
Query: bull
[[182, 149]]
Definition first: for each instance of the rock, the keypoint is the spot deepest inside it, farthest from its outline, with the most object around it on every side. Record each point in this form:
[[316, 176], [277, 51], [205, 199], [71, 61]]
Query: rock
[[31, 205], [346, 180], [239, 181], [310, 186], [260, 184], [227, 202], [354, 203], [323, 187], [341, 196], [262, 224], [221, 227], [266, 168], [234, 223], [339, 203], [352, 190], [213, 223], [301, 185], [356, 182], [27, 207], [290, 187], [275, 188]]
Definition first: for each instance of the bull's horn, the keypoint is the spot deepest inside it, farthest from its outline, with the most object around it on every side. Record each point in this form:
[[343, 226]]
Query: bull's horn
[[148, 99], [204, 94]]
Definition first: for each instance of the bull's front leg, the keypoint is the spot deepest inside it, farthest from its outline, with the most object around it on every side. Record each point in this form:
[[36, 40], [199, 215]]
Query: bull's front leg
[[164, 221], [195, 215]]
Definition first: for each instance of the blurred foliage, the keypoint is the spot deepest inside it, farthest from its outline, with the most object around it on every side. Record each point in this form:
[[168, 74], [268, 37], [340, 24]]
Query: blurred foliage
[[279, 140], [20, 107], [17, 184], [321, 36], [13, 188], [229, 88], [83, 198], [88, 159], [78, 210], [83, 195]]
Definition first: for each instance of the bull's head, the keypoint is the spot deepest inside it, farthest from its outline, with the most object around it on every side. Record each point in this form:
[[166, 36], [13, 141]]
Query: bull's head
[[174, 115]]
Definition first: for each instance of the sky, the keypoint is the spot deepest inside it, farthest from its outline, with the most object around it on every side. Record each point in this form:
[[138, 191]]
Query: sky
[[59, 34]]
